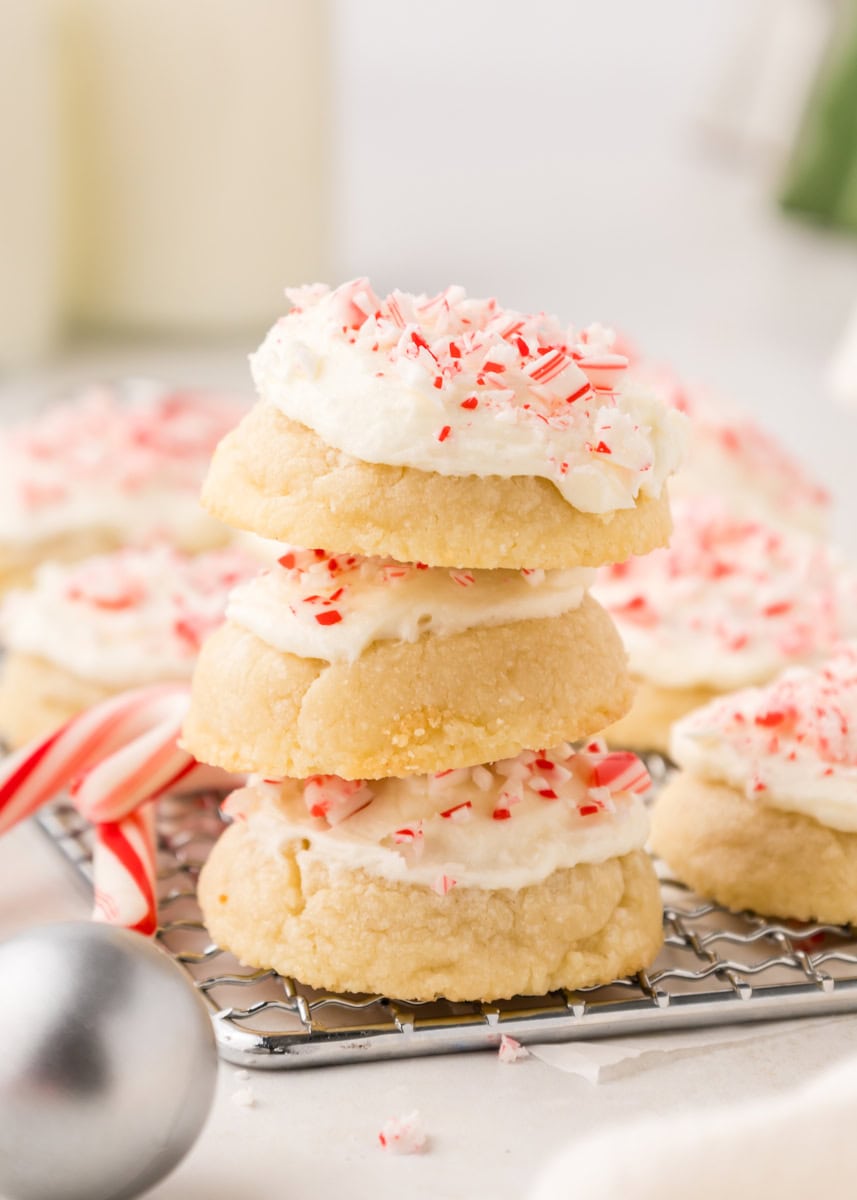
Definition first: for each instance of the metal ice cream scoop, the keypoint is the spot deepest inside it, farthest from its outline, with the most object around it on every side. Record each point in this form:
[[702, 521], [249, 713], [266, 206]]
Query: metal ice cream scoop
[[107, 1064]]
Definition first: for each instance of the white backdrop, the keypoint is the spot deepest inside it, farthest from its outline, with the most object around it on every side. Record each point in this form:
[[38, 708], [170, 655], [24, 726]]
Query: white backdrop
[[554, 154]]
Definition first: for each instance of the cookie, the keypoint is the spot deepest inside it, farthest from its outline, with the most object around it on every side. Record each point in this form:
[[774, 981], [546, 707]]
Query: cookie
[[368, 668], [763, 813], [446, 430], [472, 885], [85, 631]]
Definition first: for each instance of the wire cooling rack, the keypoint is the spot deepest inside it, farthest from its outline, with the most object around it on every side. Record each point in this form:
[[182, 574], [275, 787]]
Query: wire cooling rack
[[716, 968]]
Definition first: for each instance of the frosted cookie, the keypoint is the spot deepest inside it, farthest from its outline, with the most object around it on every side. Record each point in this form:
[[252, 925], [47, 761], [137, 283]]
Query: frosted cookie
[[446, 430], [367, 667], [731, 603], [518, 877], [112, 468], [87, 630], [732, 457], [763, 814]]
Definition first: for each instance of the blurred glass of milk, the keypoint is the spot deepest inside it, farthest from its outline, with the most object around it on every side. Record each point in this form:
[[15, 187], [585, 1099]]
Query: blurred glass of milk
[[30, 179], [199, 161]]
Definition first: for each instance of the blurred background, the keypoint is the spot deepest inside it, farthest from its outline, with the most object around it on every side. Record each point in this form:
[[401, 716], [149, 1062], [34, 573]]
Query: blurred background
[[687, 172]]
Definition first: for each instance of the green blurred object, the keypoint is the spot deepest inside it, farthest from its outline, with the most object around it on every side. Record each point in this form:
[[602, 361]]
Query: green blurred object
[[821, 179]]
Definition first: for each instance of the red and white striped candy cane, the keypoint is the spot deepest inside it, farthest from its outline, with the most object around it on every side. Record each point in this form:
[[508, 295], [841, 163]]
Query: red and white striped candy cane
[[115, 759], [124, 869], [621, 771], [36, 772], [143, 768]]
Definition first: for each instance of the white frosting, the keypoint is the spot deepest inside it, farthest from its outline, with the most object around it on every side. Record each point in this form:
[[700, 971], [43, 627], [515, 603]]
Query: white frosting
[[124, 619], [730, 456], [792, 745], [508, 825], [130, 461], [332, 607], [462, 387], [730, 602]]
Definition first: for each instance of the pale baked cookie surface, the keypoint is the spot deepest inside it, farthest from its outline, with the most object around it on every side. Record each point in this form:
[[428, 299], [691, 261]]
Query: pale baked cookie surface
[[279, 479], [583, 926], [745, 855], [37, 696], [730, 603], [407, 707], [764, 812], [512, 878], [86, 630]]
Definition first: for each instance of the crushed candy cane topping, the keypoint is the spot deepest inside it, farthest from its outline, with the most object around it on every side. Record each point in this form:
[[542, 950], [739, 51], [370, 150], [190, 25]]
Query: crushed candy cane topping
[[792, 745], [124, 619], [332, 606], [731, 456], [403, 1135], [130, 459], [459, 386], [504, 824], [730, 602]]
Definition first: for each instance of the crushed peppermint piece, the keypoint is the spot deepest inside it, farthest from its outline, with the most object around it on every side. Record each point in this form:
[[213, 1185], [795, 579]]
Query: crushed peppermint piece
[[329, 617], [443, 885], [244, 1098], [510, 1050], [403, 1135], [334, 799], [458, 812]]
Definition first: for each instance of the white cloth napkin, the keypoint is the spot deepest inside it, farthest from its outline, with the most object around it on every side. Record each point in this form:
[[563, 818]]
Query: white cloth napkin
[[791, 1147]]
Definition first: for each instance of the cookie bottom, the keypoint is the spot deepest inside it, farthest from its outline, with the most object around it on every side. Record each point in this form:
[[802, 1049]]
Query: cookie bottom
[[654, 711], [745, 854], [36, 696], [354, 932]]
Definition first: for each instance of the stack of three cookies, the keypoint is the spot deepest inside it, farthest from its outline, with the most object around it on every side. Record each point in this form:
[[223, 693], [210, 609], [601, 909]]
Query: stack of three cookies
[[417, 823]]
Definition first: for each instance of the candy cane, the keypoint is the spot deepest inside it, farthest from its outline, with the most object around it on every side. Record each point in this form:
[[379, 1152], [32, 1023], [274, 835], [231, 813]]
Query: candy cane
[[115, 759], [36, 772], [124, 868], [621, 771], [138, 771]]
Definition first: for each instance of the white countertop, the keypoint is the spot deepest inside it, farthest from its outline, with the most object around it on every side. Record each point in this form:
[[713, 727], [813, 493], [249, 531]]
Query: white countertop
[[312, 1134]]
